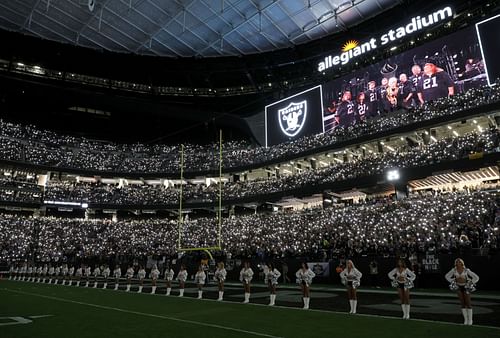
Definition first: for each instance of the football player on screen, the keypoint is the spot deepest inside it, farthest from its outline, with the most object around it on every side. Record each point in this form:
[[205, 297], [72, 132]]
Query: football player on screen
[[405, 91], [371, 98], [382, 94], [346, 112], [361, 106], [416, 72], [435, 83]]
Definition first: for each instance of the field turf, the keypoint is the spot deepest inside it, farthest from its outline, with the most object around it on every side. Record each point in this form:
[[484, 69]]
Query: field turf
[[41, 310]]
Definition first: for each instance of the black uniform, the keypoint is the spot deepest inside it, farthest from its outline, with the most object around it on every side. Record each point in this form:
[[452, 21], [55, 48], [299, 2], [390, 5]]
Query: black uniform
[[347, 113], [372, 97], [361, 108], [435, 86], [415, 79], [382, 95], [404, 90]]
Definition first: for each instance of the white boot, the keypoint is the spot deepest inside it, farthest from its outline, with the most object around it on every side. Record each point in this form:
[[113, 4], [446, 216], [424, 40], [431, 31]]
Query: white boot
[[181, 292], [354, 305], [50, 281], [86, 284], [116, 286], [153, 290], [77, 283], [221, 295], [466, 316], [128, 288], [403, 307], [247, 297], [272, 299], [168, 291], [407, 311], [469, 316], [200, 294], [64, 282], [306, 300], [105, 285], [140, 289], [70, 282], [350, 305]]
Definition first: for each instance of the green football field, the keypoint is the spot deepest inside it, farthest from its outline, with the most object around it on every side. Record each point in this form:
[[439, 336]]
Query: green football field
[[41, 310]]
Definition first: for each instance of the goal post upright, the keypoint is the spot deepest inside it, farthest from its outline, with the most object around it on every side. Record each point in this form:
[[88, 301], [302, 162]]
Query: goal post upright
[[219, 232], [180, 197], [218, 213]]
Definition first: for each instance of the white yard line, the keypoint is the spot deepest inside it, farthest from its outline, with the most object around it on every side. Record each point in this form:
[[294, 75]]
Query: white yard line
[[252, 333]]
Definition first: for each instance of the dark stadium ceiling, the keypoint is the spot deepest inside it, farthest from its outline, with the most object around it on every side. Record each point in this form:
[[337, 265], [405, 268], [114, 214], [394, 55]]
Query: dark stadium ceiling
[[184, 28]]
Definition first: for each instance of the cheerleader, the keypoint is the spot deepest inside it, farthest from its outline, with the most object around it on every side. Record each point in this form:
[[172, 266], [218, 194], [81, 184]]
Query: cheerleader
[[463, 281], [44, 272], [39, 271], [88, 273], [71, 272], [57, 274], [130, 275], [117, 273], [220, 277], [11, 271], [304, 278], [154, 277], [141, 274], [29, 273], [182, 277], [351, 278], [15, 272], [169, 276], [64, 272], [402, 278], [97, 272], [271, 275], [246, 275], [51, 273], [105, 273], [22, 271], [200, 280], [78, 275]]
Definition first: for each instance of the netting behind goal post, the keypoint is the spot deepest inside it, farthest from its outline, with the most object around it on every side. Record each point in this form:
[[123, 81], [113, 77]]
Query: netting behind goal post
[[190, 234]]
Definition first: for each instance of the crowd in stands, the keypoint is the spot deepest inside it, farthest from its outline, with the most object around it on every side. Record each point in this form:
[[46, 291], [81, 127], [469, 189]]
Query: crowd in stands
[[446, 149], [444, 222], [30, 144]]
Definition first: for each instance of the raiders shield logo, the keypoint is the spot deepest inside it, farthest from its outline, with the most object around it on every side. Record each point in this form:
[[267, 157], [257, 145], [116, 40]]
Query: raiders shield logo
[[292, 118]]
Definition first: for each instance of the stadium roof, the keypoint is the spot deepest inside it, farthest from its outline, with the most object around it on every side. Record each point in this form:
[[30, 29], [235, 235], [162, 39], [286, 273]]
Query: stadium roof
[[186, 28]]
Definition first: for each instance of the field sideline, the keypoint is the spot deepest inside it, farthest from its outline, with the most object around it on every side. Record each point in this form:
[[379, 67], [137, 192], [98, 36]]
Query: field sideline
[[41, 310]]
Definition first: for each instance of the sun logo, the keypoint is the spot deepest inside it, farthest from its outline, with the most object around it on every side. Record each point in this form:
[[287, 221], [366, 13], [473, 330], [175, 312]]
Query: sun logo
[[351, 44]]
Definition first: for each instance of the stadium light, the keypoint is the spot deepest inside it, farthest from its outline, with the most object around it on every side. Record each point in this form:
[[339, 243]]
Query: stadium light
[[85, 205], [393, 175]]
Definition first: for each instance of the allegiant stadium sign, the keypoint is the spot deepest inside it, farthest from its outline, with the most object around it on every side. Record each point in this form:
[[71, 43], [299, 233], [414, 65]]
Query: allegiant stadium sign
[[352, 48]]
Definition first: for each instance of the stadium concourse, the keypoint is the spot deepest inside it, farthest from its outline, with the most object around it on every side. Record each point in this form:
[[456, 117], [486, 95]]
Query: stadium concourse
[[249, 168]]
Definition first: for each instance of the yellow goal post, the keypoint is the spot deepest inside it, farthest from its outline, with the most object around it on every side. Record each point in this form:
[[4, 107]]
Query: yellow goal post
[[219, 208]]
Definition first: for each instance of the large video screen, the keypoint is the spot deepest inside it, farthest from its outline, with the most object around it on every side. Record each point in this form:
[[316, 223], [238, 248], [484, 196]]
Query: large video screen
[[437, 69], [440, 68], [489, 39], [294, 117]]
